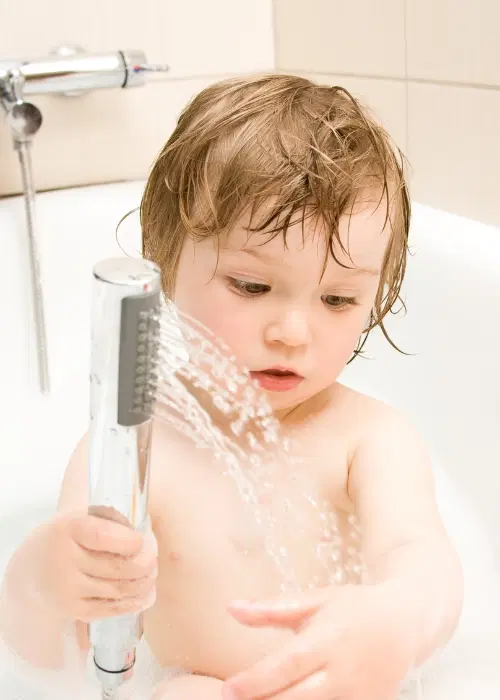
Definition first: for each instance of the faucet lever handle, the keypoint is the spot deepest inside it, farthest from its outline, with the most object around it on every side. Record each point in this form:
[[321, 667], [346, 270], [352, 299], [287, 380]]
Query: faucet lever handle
[[152, 67], [137, 66]]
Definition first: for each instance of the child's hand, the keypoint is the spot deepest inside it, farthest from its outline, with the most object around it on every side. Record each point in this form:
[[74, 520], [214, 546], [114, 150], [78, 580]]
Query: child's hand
[[349, 645], [84, 568]]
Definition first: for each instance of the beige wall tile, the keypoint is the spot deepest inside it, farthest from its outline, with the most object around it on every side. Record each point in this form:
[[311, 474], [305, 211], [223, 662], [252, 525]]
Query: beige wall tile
[[335, 36], [456, 41], [220, 36], [386, 99], [454, 149], [194, 36], [110, 135]]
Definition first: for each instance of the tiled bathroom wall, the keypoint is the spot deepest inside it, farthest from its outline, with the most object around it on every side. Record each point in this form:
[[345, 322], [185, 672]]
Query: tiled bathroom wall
[[430, 69], [114, 134]]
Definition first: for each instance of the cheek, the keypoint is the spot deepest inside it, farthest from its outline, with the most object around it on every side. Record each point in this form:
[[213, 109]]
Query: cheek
[[337, 348], [222, 312]]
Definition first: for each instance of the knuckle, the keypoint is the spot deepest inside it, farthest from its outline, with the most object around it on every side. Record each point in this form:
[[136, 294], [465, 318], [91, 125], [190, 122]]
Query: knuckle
[[149, 561], [296, 663], [97, 536], [140, 587], [106, 565], [115, 568], [84, 611], [125, 589], [131, 588], [96, 588], [125, 605], [141, 568], [130, 570], [82, 534], [72, 526], [148, 586], [114, 564], [115, 590], [149, 567]]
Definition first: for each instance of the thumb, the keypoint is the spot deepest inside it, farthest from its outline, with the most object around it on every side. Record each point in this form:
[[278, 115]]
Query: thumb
[[288, 612]]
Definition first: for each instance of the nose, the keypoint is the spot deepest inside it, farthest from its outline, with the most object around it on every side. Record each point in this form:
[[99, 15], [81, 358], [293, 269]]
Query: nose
[[291, 328]]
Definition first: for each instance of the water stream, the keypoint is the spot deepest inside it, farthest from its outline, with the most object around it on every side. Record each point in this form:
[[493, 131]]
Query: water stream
[[203, 393]]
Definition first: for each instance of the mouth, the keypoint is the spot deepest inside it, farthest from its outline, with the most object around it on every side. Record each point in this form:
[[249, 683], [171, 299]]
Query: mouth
[[277, 378]]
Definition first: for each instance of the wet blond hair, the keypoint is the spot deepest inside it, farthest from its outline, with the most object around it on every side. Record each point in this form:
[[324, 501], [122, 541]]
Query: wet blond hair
[[283, 146]]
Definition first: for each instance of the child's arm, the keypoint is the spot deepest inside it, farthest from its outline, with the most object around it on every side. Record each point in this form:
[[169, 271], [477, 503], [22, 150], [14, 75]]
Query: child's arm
[[361, 640], [75, 567], [405, 544], [25, 624]]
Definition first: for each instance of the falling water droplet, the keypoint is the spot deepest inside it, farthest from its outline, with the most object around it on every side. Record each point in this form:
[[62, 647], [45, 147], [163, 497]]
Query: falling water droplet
[[204, 394]]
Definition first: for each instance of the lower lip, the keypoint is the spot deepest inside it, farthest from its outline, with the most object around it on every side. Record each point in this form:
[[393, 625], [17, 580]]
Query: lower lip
[[275, 382]]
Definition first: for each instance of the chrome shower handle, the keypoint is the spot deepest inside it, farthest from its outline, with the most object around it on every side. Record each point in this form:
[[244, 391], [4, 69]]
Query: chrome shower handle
[[70, 70]]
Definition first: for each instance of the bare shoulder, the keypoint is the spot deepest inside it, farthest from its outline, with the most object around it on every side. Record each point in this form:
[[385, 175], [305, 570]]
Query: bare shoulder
[[384, 448], [370, 419], [390, 481]]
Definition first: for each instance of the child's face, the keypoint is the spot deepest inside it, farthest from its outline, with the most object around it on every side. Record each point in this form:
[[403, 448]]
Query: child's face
[[274, 308]]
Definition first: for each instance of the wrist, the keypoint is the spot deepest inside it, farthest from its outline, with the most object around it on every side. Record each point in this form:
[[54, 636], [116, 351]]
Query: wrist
[[21, 591], [420, 619], [424, 580], [29, 627], [399, 613]]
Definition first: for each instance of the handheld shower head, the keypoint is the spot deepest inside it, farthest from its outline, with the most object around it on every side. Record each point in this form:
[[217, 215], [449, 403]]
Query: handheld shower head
[[125, 308]]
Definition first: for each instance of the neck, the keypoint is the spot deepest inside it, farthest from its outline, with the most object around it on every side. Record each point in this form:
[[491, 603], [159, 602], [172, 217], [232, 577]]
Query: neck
[[295, 415]]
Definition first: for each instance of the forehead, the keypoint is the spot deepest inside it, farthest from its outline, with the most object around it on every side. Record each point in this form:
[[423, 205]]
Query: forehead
[[363, 233]]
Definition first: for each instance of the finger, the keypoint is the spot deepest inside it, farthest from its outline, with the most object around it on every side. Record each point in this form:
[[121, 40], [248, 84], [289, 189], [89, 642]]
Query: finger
[[100, 535], [116, 590], [262, 617], [275, 673], [116, 566], [314, 687], [97, 609], [278, 612]]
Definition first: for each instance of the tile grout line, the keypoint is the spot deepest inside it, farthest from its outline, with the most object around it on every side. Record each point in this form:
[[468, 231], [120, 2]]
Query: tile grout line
[[274, 30], [407, 85], [200, 76], [401, 79]]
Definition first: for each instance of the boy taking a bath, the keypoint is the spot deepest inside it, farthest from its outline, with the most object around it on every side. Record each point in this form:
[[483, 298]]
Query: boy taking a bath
[[278, 214]]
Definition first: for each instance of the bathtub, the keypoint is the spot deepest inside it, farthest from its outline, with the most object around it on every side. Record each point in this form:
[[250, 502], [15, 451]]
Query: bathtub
[[449, 385]]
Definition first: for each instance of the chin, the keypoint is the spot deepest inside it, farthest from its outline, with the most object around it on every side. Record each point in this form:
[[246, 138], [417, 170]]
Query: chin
[[310, 402], [283, 401]]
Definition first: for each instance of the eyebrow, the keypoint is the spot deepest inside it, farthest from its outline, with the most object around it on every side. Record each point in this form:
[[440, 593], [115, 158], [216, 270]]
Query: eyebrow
[[253, 252], [257, 253], [362, 271], [261, 254]]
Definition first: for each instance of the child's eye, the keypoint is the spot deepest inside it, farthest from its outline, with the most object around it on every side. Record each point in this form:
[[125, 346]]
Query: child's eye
[[337, 302], [249, 289]]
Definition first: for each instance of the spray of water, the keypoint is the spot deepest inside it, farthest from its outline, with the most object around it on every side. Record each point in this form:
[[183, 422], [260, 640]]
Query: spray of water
[[203, 393]]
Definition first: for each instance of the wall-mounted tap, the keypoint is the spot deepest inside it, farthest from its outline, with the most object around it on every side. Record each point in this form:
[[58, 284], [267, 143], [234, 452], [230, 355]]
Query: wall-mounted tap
[[68, 71]]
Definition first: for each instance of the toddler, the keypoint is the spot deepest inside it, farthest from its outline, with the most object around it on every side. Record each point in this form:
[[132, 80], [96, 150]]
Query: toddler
[[278, 213]]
